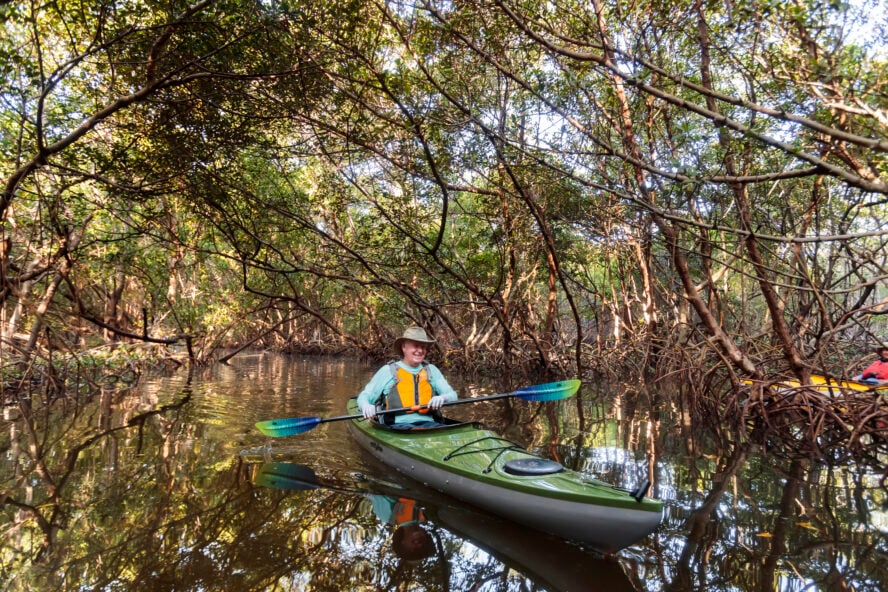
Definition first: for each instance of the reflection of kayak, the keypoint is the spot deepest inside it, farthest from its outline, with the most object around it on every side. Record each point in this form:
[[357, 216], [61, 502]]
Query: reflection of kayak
[[827, 385], [550, 562], [477, 466]]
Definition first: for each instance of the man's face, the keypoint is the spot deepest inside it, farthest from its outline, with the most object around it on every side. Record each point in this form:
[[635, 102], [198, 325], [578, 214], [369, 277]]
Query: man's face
[[414, 352]]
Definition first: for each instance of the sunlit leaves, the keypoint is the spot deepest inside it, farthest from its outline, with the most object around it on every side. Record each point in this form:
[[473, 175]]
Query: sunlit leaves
[[418, 157]]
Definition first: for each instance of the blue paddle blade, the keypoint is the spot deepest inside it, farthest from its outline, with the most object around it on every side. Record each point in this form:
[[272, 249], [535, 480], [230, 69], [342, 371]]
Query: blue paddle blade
[[276, 428], [552, 391], [288, 476]]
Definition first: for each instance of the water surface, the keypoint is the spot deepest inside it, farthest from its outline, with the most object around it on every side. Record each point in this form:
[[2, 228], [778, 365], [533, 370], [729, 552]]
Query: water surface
[[170, 487]]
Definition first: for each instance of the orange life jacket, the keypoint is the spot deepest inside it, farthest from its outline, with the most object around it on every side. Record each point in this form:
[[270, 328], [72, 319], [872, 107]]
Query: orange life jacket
[[405, 510], [409, 389]]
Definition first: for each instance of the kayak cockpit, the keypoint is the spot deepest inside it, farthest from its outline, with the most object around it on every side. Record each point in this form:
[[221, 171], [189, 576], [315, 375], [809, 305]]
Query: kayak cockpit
[[531, 466], [443, 423]]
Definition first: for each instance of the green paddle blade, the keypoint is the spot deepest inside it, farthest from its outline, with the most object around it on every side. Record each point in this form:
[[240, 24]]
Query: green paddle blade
[[276, 428], [553, 391]]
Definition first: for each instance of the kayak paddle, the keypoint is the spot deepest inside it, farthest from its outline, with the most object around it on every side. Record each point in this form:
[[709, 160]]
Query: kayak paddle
[[296, 477], [552, 391], [284, 475]]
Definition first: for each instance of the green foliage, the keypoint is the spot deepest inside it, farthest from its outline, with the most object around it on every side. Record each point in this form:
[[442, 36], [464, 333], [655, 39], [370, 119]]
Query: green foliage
[[228, 169]]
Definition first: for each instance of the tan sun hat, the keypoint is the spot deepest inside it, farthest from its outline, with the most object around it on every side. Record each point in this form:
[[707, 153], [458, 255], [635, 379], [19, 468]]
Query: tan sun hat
[[414, 333]]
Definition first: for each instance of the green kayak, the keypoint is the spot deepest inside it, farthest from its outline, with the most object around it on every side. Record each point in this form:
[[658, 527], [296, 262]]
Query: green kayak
[[477, 466]]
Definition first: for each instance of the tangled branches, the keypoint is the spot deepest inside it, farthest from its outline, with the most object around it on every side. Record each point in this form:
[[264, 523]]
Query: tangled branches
[[835, 425]]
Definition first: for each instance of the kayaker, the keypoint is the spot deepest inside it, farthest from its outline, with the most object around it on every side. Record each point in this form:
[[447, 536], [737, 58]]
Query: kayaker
[[410, 541], [407, 382], [877, 372]]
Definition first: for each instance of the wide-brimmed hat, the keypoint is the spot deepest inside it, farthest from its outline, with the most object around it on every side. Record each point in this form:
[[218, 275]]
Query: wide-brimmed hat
[[879, 349], [417, 334]]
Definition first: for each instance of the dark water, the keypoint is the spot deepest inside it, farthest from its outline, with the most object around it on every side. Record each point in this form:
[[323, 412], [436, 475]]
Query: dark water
[[170, 487]]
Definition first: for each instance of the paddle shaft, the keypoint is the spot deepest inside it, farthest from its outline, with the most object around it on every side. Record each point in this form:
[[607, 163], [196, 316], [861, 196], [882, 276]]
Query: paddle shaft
[[417, 408], [554, 391]]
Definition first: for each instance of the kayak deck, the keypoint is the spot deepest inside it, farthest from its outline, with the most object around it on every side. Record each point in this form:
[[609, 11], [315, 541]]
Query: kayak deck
[[491, 472]]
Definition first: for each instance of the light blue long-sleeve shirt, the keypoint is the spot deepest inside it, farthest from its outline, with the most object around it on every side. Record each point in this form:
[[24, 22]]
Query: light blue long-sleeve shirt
[[386, 509], [383, 379]]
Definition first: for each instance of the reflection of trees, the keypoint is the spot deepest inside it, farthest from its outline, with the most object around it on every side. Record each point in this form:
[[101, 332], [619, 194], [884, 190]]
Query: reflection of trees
[[702, 527], [39, 439], [151, 504], [162, 519], [767, 523], [135, 499], [740, 517], [225, 536]]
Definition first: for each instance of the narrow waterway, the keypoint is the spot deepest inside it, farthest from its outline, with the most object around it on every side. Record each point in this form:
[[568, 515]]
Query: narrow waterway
[[169, 486]]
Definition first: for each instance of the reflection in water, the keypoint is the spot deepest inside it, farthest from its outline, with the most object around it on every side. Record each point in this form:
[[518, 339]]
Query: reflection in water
[[152, 489], [40, 473], [423, 524]]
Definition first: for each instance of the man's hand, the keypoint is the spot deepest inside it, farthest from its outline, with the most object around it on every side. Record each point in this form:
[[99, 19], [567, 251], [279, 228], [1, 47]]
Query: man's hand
[[368, 410], [437, 402]]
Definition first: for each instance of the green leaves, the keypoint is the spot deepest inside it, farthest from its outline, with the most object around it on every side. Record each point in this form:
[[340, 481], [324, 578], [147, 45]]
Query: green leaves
[[474, 164]]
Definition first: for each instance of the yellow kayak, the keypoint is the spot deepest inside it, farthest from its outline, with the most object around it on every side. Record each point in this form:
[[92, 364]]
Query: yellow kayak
[[828, 385]]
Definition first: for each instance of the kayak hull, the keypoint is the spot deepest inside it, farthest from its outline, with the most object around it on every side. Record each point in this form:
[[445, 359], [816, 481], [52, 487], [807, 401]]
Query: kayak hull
[[824, 383], [470, 464], [828, 386]]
